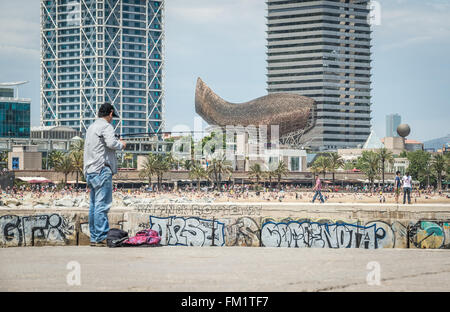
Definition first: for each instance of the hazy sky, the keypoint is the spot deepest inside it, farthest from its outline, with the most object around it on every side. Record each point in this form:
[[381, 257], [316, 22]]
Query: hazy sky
[[224, 43]]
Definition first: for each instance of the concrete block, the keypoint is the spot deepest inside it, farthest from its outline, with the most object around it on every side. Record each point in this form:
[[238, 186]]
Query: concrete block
[[39, 229]]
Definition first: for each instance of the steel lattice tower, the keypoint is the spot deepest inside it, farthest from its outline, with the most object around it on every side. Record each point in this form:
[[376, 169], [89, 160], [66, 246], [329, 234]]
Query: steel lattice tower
[[96, 51]]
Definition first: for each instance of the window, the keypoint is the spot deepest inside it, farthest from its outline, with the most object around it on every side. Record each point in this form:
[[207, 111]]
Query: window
[[295, 164], [15, 163]]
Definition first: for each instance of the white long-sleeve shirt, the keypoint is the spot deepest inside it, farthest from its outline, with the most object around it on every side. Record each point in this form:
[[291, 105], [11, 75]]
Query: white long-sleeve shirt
[[100, 147]]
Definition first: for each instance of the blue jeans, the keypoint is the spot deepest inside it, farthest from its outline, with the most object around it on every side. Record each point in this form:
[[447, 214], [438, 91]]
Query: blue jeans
[[407, 191], [320, 196], [100, 203]]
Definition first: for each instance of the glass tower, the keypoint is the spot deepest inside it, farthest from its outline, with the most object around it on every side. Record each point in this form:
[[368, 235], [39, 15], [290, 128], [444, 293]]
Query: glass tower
[[321, 49], [392, 123], [97, 51], [14, 115]]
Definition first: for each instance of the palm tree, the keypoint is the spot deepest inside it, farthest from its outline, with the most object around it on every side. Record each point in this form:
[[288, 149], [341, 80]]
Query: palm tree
[[369, 163], [65, 166], [256, 172], [188, 164], [218, 167], [4, 158], [198, 172], [78, 162], [438, 165], [148, 168], [385, 156], [280, 171], [77, 155], [54, 157], [335, 162], [77, 145], [270, 174], [322, 164], [163, 163]]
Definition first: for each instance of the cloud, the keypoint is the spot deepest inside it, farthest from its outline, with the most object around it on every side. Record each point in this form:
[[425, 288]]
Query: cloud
[[413, 23]]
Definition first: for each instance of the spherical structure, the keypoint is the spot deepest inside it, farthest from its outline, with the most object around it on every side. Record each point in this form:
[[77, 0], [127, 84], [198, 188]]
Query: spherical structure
[[403, 130]]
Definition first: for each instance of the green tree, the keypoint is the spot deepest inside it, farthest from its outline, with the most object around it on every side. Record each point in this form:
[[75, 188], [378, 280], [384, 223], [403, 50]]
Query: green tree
[[77, 146], [219, 167], [163, 164], [65, 166], [188, 164], [321, 164], [77, 155], [447, 164], [369, 163], [198, 173], [335, 162], [420, 167], [78, 163], [54, 157], [257, 173], [270, 174], [281, 171], [385, 156], [4, 159], [148, 168], [350, 165], [438, 165]]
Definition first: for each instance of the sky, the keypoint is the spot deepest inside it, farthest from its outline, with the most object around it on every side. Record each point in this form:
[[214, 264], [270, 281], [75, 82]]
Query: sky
[[224, 43]]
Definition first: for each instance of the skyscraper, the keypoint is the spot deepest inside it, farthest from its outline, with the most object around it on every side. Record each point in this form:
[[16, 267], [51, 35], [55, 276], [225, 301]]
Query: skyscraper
[[392, 123], [321, 49], [14, 112], [96, 51]]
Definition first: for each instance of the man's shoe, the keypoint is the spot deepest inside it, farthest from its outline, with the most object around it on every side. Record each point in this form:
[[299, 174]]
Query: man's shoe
[[102, 243], [93, 244], [99, 244]]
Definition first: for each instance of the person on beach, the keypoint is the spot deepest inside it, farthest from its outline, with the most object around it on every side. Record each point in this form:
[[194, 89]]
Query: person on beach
[[318, 189]]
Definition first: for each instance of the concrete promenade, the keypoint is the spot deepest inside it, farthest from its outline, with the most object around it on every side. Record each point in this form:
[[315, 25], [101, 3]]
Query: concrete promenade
[[230, 269]]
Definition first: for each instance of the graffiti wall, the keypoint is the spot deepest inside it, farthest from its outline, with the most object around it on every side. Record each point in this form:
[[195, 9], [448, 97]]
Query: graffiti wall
[[246, 231], [191, 231], [309, 234], [36, 230], [429, 235]]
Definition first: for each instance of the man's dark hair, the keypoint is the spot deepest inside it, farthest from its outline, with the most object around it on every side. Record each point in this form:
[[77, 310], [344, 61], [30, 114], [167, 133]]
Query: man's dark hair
[[105, 110], [397, 173]]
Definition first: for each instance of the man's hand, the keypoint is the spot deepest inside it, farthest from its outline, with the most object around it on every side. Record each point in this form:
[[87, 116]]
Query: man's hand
[[123, 143]]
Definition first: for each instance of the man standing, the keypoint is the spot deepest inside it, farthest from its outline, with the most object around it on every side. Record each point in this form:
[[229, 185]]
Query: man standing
[[318, 189], [407, 181], [100, 164], [397, 186]]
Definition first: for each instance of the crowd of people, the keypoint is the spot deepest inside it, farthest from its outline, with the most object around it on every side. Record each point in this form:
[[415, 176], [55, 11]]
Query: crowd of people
[[241, 193]]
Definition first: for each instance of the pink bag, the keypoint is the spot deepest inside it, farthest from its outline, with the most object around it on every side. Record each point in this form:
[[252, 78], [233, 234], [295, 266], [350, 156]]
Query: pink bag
[[148, 238]]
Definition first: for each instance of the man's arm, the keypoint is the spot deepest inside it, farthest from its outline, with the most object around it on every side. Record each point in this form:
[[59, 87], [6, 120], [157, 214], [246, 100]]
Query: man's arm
[[110, 139]]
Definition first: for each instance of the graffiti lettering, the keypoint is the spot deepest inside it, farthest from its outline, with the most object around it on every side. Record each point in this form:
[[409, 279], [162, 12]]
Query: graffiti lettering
[[199, 210], [26, 230], [243, 232], [308, 234], [188, 231]]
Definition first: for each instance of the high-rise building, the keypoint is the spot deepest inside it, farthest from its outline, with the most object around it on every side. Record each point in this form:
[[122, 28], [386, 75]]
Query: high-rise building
[[392, 123], [96, 51], [14, 113], [321, 49]]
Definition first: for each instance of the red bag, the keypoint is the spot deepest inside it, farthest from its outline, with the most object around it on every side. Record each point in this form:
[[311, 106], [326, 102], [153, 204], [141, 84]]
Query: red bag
[[148, 238]]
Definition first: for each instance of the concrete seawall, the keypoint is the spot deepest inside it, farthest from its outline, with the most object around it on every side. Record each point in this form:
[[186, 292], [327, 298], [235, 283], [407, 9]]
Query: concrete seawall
[[294, 225]]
